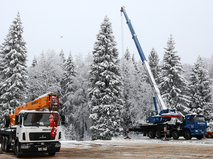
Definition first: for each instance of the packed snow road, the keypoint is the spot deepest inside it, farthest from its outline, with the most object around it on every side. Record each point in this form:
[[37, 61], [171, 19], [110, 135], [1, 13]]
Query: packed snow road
[[130, 148]]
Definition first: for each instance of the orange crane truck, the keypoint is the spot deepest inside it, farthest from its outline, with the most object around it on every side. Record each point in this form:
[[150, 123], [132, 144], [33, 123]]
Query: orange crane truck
[[33, 127]]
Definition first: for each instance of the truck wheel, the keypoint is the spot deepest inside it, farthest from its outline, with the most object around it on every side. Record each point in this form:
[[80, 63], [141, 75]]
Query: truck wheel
[[52, 154], [17, 150], [6, 121], [6, 146], [158, 134], [2, 144], [175, 135], [187, 135], [209, 135], [151, 134], [199, 137]]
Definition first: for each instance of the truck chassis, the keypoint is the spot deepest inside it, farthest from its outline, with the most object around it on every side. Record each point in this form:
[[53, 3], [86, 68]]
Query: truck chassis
[[9, 141]]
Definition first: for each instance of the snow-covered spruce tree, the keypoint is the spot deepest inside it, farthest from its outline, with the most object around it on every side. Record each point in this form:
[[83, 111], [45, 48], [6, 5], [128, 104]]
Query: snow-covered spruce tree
[[200, 89], [126, 79], [106, 93], [173, 84], [67, 88], [13, 69], [62, 56], [136, 91], [31, 75], [46, 75], [34, 63], [127, 73], [80, 114], [67, 93], [154, 64]]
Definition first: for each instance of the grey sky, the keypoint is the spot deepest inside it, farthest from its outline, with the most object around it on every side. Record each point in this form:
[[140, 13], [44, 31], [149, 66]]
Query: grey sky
[[45, 21]]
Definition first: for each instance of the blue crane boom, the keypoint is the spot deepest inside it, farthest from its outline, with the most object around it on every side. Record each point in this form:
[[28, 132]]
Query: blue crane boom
[[156, 93]]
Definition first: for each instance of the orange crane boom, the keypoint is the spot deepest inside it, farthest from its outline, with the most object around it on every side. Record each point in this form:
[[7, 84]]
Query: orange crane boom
[[49, 100]]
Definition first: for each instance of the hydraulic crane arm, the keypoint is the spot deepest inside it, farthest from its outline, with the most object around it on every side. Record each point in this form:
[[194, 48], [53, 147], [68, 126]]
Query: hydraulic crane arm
[[155, 89], [49, 100]]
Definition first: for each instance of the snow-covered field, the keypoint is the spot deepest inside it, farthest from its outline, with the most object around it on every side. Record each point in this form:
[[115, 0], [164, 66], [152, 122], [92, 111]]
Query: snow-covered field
[[134, 140]]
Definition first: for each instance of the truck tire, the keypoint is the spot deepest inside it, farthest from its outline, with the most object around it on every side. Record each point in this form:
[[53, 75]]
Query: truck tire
[[2, 144], [17, 150], [187, 135], [6, 144], [175, 135], [158, 134], [209, 135], [52, 154], [151, 134], [199, 137], [6, 121]]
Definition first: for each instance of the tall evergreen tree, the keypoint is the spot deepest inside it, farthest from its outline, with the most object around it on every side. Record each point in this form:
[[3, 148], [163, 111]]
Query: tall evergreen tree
[[34, 63], [67, 93], [105, 93], [127, 74], [126, 79], [81, 113], [135, 90], [173, 83], [46, 75], [13, 53], [62, 56], [67, 88], [154, 64], [200, 89]]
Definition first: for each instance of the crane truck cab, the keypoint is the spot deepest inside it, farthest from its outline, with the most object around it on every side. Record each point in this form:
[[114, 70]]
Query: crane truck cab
[[194, 126], [33, 133]]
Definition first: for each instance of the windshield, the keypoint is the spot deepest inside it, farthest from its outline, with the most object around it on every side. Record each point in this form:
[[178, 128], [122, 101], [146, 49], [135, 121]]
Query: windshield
[[199, 119], [37, 119]]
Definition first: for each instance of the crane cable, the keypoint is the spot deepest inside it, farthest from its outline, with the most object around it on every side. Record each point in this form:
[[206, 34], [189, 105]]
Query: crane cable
[[122, 38]]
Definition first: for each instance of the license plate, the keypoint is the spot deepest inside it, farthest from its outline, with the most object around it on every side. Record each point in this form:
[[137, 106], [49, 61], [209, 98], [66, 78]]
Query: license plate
[[42, 148]]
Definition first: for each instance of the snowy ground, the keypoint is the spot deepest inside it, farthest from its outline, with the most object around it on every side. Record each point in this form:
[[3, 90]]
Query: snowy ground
[[139, 139], [137, 147]]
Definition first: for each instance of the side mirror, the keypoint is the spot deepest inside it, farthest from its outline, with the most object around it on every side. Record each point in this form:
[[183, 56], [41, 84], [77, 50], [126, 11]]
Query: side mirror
[[16, 120], [62, 120]]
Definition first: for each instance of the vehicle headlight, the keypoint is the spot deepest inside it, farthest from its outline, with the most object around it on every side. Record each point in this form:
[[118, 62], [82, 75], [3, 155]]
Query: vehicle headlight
[[25, 146], [58, 144]]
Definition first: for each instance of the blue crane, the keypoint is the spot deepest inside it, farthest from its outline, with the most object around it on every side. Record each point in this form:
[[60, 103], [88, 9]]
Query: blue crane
[[152, 117]]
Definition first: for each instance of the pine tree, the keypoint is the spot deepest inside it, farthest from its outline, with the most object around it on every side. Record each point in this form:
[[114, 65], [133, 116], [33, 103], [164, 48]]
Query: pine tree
[[13, 67], [173, 83], [105, 93], [126, 73], [154, 64], [34, 63], [46, 75], [62, 56], [200, 89], [67, 93], [135, 90], [80, 114], [126, 78], [67, 89]]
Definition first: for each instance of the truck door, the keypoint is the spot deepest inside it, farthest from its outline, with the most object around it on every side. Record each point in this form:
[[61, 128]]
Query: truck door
[[190, 123]]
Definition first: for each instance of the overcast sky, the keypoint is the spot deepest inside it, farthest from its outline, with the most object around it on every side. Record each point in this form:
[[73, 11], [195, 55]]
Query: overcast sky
[[45, 22]]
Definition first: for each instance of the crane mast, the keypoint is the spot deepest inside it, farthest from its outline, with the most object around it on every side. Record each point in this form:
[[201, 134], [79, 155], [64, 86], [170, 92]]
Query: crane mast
[[145, 63], [165, 114]]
